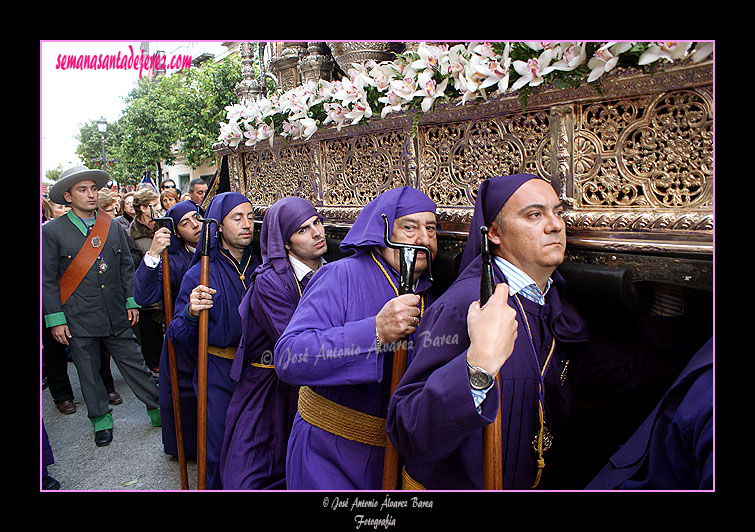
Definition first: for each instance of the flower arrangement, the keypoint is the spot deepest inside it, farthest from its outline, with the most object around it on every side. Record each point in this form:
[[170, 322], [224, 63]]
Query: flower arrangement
[[415, 80]]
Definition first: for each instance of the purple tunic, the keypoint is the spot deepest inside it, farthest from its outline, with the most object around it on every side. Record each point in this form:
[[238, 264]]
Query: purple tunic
[[673, 448], [148, 289], [432, 419], [224, 328], [47, 457], [262, 408], [330, 345]]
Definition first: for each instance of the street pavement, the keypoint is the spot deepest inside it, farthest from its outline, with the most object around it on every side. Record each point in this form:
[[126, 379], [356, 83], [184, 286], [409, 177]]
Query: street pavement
[[135, 459]]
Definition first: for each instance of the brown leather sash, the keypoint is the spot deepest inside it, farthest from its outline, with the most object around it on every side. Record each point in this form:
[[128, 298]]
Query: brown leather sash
[[84, 259]]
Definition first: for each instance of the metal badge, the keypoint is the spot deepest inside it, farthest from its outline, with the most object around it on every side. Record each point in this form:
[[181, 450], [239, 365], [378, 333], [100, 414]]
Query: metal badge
[[96, 242], [103, 267], [547, 440]]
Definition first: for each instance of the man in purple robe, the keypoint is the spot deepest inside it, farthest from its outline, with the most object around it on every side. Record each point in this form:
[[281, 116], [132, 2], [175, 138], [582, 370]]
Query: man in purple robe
[[231, 262], [262, 409], [673, 448], [449, 393], [338, 346], [148, 289]]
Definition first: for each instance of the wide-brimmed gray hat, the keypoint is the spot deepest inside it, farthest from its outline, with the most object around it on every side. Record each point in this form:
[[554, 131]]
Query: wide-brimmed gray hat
[[72, 176]]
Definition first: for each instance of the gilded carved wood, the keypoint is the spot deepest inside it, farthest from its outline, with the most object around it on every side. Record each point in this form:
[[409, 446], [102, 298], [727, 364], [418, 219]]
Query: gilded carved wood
[[633, 165]]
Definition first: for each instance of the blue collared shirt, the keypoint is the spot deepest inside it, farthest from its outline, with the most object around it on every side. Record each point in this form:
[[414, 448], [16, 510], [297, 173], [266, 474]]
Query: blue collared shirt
[[519, 283]]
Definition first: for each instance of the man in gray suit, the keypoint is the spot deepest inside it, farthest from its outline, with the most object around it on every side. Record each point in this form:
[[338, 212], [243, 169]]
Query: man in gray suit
[[87, 295]]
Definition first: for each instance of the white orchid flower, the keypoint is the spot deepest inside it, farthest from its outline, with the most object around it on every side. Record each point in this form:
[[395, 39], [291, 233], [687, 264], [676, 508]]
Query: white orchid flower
[[348, 93], [496, 71], [291, 128], [605, 58], [430, 57], [264, 131], [702, 51], [251, 136], [669, 50], [336, 114], [404, 87], [393, 103], [485, 50], [230, 134], [428, 89], [380, 76], [309, 127], [533, 70], [573, 54], [359, 110]]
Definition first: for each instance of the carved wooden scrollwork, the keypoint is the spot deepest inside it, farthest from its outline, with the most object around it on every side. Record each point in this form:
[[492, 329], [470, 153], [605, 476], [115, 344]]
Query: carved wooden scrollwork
[[634, 165]]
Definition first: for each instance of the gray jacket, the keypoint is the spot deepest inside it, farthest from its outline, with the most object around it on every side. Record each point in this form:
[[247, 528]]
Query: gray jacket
[[98, 305]]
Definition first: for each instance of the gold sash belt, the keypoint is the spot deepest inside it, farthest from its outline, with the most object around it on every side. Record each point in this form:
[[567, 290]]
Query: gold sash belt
[[222, 352], [340, 420], [408, 483]]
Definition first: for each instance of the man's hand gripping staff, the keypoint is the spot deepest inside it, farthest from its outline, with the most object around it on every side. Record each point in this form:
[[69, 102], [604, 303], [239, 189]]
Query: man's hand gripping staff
[[406, 283]]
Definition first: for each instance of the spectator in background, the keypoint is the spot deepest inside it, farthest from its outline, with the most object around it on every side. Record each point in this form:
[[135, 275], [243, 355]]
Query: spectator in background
[[197, 190], [168, 198], [106, 201], [151, 318], [52, 210], [169, 184], [126, 210]]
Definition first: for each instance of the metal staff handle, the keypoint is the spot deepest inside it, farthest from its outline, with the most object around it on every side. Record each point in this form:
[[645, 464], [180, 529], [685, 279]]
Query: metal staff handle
[[165, 221], [406, 282], [202, 343], [492, 444]]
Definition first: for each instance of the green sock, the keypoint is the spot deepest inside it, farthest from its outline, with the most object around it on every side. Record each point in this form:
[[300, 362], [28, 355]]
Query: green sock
[[102, 422], [154, 415]]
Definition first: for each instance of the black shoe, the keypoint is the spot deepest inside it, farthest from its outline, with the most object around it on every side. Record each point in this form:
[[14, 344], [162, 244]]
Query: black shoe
[[103, 437], [49, 483]]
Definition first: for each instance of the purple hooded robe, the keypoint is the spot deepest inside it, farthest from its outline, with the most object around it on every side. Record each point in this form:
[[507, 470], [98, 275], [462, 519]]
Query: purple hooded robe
[[330, 345], [262, 408], [224, 324], [432, 419], [673, 448], [148, 289]]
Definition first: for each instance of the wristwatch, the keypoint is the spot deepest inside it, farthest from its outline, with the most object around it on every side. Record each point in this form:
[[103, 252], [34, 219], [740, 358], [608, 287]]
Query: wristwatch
[[479, 379]]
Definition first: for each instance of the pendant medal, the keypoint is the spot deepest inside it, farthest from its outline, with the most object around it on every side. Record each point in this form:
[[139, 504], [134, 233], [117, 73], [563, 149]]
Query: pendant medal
[[103, 266], [547, 440]]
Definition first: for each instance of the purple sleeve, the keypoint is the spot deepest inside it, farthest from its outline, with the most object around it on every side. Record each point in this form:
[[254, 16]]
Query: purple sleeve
[[432, 410], [148, 284], [331, 338]]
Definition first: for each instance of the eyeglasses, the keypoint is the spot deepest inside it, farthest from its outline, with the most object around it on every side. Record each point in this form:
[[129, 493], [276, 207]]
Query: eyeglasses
[[169, 186]]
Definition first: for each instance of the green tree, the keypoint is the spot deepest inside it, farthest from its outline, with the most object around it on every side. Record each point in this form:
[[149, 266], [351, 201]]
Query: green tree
[[89, 148], [163, 116], [198, 106], [148, 132]]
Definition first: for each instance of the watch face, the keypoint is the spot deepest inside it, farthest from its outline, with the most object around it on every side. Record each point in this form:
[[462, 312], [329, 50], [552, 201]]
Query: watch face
[[480, 380]]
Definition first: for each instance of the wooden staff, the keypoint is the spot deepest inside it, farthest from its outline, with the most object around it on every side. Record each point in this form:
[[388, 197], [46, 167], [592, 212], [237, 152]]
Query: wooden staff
[[406, 282], [202, 354], [492, 444], [173, 366]]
